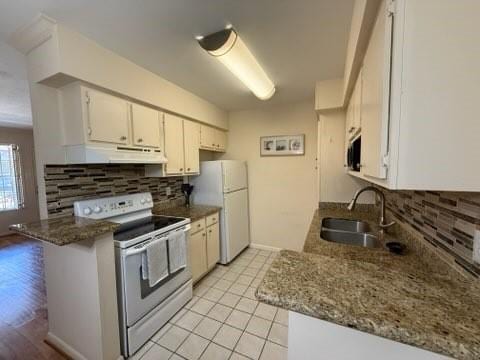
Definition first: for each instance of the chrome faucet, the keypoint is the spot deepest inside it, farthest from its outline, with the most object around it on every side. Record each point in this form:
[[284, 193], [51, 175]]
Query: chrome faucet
[[380, 194]]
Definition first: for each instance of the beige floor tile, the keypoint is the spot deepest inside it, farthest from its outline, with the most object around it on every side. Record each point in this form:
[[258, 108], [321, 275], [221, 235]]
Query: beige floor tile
[[213, 294], [227, 336], [193, 347], [256, 282], [278, 334], [237, 356], [207, 328], [247, 305], [250, 346], [229, 299], [260, 258], [178, 316], [238, 319], [237, 269], [200, 290], [258, 326], [244, 280], [222, 284], [265, 253], [175, 357], [161, 332], [208, 281], [191, 302], [237, 289], [173, 338], [250, 293], [203, 306], [219, 312], [189, 321], [250, 271], [216, 352], [266, 311], [231, 276], [157, 352], [255, 264], [140, 352], [273, 351], [281, 317]]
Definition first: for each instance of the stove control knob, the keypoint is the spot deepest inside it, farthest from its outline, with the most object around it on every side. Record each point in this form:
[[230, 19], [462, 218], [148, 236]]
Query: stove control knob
[[87, 211], [97, 209], [149, 200], [143, 201]]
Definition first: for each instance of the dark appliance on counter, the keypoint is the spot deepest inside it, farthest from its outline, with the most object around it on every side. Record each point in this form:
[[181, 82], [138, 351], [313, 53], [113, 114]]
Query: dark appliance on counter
[[353, 154], [187, 191]]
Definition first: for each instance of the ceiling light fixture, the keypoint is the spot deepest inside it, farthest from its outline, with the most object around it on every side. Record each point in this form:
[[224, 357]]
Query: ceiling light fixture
[[232, 52]]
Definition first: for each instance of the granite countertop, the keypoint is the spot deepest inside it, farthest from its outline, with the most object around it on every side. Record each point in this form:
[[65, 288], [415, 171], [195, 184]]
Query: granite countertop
[[194, 212], [406, 298], [65, 230]]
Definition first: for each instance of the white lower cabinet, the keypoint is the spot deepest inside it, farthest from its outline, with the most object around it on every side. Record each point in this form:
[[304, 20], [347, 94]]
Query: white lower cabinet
[[314, 339], [204, 245]]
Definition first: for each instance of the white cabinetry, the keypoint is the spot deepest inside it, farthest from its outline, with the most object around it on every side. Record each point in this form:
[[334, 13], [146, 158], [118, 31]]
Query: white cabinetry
[[204, 245], [191, 141], [173, 128], [212, 139], [420, 90], [145, 126]]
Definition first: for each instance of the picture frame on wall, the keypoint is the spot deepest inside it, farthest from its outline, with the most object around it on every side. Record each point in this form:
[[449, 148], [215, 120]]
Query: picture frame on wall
[[282, 145]]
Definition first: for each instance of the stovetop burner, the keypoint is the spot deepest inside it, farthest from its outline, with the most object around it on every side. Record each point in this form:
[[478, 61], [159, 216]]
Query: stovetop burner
[[136, 228]]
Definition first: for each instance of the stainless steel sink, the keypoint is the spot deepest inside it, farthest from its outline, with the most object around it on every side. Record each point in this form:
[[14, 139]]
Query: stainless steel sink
[[345, 225], [350, 238]]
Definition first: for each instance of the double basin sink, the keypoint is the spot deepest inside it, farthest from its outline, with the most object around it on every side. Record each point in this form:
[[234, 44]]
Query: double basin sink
[[348, 232]]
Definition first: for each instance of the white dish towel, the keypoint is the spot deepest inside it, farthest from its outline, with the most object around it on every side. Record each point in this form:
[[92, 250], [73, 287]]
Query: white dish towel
[[155, 261], [177, 250]]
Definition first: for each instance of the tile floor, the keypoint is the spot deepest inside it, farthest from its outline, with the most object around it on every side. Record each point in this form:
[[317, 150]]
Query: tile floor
[[224, 320]]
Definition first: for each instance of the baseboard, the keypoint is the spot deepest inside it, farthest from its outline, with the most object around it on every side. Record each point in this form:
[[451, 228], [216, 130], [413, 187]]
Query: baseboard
[[264, 247], [63, 347]]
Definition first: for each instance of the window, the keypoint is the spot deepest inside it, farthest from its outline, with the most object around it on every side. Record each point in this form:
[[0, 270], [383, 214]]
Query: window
[[11, 186]]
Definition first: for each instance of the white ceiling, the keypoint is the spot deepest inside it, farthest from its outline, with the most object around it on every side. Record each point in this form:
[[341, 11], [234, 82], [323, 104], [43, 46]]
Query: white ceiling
[[296, 41]]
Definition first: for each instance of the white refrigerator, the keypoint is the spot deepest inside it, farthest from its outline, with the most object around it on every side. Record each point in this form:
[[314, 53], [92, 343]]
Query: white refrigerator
[[224, 183]]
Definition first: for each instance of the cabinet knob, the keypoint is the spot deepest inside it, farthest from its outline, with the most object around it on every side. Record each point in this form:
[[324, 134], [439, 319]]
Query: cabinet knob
[[123, 138], [203, 234], [181, 169], [140, 140], [210, 231], [188, 169]]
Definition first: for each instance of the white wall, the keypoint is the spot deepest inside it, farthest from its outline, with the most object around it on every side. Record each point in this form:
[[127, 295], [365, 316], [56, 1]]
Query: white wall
[[283, 191], [335, 184], [23, 138]]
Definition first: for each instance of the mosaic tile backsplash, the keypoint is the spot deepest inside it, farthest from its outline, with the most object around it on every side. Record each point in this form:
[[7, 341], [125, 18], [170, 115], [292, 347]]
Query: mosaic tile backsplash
[[447, 220], [68, 183]]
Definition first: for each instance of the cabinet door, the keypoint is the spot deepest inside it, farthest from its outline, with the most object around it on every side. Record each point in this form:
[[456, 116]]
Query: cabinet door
[[173, 129], [207, 137], [145, 126], [191, 140], [213, 245], [376, 97], [198, 256], [221, 140], [107, 118]]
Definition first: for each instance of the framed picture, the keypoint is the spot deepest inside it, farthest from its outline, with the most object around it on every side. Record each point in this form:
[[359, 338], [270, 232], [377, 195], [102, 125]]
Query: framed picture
[[285, 145]]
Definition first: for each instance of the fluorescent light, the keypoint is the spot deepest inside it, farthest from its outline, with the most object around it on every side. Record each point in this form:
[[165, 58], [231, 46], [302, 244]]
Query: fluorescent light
[[232, 52]]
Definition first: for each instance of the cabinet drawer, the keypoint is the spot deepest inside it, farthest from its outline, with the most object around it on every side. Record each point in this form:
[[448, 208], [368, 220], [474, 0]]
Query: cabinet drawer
[[212, 219], [198, 225]]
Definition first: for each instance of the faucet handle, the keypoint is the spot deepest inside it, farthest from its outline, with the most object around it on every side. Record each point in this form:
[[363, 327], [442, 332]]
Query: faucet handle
[[384, 226]]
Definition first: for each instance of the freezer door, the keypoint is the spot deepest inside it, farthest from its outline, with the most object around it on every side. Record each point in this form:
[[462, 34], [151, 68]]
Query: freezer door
[[236, 225], [234, 175]]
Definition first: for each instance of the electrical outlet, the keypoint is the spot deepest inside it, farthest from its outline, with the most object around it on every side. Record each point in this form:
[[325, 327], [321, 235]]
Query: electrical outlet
[[168, 190], [476, 246]]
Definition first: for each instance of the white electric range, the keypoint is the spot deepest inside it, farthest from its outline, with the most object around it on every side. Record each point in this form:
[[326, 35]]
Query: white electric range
[[143, 310]]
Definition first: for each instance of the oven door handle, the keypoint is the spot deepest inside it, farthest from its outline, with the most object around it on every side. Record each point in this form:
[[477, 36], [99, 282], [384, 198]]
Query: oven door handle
[[133, 250]]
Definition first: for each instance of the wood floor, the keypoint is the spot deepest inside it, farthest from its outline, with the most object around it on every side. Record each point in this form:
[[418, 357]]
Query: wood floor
[[23, 302]]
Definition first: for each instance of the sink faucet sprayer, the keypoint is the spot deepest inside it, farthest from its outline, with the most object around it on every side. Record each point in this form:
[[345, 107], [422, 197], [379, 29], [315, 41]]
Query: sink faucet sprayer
[[380, 194]]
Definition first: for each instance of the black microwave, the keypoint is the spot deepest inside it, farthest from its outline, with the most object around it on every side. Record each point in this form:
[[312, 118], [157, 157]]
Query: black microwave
[[353, 154]]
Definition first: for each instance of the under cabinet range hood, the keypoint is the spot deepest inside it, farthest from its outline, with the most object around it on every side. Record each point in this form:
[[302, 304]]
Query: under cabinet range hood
[[113, 154]]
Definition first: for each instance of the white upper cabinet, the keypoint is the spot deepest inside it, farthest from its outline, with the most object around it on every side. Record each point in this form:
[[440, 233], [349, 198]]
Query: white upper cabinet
[[191, 140], [375, 97], [212, 139], [107, 118], [420, 95], [174, 151], [145, 126]]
